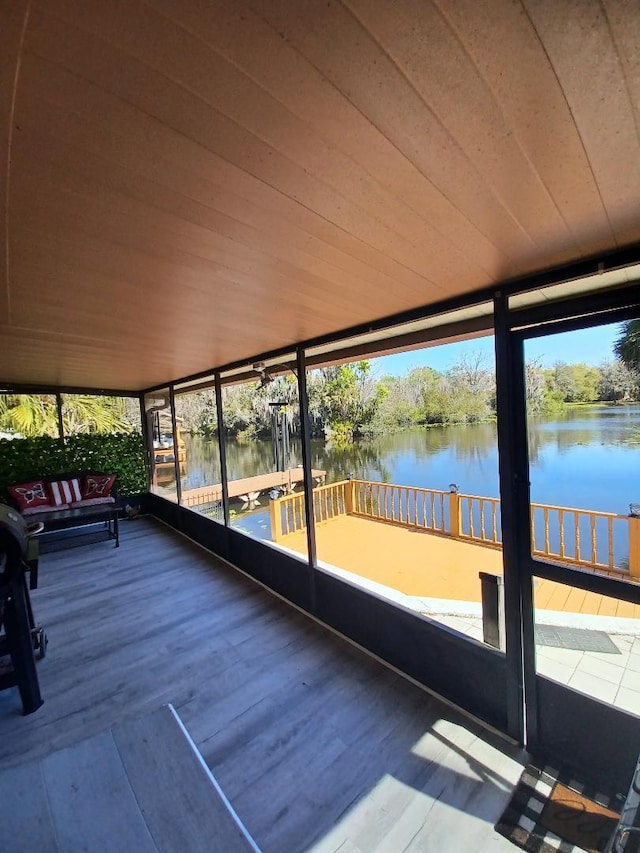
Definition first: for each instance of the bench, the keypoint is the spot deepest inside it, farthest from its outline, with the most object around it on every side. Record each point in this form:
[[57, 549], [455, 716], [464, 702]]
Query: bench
[[66, 504]]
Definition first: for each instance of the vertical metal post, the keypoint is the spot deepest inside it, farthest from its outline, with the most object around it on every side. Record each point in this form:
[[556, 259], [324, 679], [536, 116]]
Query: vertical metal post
[[60, 419], [305, 435], [224, 480], [174, 432], [148, 441], [511, 411]]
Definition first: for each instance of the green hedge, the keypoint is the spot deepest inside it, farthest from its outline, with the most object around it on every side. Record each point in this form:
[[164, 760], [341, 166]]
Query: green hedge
[[27, 458]]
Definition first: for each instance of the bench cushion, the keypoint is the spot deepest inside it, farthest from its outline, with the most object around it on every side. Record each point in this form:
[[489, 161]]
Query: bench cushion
[[40, 510], [92, 502]]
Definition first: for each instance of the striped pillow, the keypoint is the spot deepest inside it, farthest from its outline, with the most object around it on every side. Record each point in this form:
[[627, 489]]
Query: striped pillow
[[64, 491]]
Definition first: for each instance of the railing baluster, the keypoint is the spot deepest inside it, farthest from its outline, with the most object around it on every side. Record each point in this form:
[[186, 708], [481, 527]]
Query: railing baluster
[[483, 535], [594, 544], [576, 531], [610, 543], [561, 527]]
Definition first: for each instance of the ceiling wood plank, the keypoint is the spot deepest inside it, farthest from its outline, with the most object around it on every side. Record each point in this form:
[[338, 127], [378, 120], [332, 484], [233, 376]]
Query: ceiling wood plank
[[194, 184], [363, 212], [337, 44], [594, 85], [498, 36], [13, 20]]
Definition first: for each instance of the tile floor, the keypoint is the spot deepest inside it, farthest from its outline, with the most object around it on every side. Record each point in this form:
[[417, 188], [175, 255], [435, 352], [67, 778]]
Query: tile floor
[[610, 677]]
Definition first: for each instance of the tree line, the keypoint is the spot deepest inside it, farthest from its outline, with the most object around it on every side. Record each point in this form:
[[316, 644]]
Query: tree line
[[347, 401]]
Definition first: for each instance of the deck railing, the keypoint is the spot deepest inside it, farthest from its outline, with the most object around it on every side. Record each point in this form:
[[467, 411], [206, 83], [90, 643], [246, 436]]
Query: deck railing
[[478, 519], [288, 513], [580, 537], [407, 506]]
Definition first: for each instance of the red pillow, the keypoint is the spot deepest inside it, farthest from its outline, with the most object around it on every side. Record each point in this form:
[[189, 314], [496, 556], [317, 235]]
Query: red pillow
[[98, 485], [29, 495], [64, 491]]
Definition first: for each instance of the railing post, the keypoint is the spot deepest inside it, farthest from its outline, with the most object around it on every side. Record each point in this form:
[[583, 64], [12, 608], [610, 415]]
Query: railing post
[[276, 520], [634, 546], [454, 512], [349, 488]]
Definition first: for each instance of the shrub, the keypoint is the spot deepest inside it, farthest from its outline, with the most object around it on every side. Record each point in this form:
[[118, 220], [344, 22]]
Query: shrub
[[122, 454]]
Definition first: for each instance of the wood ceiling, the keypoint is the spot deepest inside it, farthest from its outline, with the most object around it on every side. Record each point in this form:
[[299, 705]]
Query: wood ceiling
[[187, 183]]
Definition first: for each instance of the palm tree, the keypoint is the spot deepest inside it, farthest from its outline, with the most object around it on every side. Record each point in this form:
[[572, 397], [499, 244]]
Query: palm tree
[[37, 414], [627, 347], [29, 414]]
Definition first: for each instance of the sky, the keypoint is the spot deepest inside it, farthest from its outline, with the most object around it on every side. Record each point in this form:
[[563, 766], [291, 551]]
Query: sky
[[588, 346]]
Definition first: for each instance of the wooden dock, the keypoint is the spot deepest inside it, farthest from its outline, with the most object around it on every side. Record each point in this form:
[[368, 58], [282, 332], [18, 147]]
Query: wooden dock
[[249, 486]]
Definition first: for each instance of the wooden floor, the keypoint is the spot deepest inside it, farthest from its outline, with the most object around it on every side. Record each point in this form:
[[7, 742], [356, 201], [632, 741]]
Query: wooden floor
[[317, 746], [140, 785], [435, 566]]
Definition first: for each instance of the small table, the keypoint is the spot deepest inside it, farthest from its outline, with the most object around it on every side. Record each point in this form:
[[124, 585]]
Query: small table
[[63, 524]]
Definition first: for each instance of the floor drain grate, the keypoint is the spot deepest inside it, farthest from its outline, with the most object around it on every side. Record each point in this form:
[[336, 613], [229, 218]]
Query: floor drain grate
[[581, 639]]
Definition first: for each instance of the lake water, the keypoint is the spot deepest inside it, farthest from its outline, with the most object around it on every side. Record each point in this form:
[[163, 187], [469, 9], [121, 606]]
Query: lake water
[[588, 458]]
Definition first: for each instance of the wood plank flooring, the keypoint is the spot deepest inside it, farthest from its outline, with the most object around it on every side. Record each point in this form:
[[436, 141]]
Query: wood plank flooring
[[139, 786], [317, 746]]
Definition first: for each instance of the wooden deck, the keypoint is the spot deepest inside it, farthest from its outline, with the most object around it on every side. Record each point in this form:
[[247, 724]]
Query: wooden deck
[[430, 566], [317, 746], [246, 486]]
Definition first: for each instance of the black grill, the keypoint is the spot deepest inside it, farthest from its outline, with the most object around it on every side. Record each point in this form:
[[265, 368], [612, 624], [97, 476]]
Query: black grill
[[21, 637], [14, 535]]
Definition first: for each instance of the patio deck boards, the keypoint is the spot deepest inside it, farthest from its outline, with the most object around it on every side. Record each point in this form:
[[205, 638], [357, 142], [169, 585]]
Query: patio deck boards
[[433, 566], [318, 746]]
